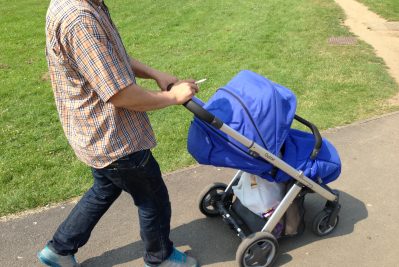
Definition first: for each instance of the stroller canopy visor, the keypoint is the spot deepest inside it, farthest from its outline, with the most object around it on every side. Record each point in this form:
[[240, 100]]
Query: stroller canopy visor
[[254, 106]]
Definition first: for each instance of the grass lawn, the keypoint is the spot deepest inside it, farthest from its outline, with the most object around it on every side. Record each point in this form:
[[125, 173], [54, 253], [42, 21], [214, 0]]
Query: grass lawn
[[283, 40], [389, 9]]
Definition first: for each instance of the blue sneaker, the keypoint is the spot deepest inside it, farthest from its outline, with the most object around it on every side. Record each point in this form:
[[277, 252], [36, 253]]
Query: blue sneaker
[[178, 259], [50, 258]]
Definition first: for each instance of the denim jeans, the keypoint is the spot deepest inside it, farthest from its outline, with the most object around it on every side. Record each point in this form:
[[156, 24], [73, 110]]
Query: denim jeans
[[140, 176]]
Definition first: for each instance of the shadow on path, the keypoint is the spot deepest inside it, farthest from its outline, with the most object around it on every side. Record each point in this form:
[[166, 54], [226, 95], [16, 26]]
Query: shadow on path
[[212, 242], [352, 211]]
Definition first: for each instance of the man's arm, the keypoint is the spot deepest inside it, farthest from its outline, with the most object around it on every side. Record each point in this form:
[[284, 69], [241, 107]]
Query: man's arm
[[136, 98], [87, 43], [143, 71]]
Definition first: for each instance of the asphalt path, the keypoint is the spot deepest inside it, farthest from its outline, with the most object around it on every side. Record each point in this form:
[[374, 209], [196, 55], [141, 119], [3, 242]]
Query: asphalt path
[[367, 234]]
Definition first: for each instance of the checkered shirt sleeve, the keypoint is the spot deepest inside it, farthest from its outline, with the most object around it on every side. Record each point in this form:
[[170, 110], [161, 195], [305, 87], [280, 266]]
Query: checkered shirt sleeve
[[93, 54]]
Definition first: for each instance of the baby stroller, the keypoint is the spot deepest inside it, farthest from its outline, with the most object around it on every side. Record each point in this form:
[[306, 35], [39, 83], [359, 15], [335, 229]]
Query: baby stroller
[[246, 126]]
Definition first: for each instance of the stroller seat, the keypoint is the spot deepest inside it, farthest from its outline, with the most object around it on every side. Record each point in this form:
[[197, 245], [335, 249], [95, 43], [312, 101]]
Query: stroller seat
[[325, 168]]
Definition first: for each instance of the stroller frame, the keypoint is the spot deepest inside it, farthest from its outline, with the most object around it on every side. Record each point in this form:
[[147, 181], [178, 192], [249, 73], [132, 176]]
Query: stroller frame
[[302, 180], [222, 202]]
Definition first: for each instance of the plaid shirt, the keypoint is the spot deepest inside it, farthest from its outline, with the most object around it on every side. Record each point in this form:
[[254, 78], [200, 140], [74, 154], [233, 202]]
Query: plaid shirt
[[88, 64]]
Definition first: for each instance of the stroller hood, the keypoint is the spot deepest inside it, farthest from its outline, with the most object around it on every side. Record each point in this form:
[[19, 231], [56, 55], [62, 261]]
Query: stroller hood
[[256, 107]]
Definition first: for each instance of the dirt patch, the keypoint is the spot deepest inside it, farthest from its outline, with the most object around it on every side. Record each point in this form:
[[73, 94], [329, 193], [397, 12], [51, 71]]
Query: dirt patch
[[394, 101], [342, 40], [45, 77], [3, 66], [378, 32]]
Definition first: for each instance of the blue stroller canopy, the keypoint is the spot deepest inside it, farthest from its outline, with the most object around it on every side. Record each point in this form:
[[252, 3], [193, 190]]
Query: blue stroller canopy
[[262, 111]]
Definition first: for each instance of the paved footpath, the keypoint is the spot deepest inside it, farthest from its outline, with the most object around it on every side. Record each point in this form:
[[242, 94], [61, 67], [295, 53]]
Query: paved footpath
[[368, 233]]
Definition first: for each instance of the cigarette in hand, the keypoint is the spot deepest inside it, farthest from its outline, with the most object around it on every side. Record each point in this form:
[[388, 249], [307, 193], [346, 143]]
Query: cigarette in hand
[[200, 81]]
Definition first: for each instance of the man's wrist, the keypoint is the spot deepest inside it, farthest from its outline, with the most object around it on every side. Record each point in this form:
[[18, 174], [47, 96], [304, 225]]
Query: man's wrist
[[144, 71], [171, 98], [155, 74]]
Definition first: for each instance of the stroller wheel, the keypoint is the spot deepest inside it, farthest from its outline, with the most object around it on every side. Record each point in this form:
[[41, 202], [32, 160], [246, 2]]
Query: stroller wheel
[[208, 198], [320, 225], [259, 249]]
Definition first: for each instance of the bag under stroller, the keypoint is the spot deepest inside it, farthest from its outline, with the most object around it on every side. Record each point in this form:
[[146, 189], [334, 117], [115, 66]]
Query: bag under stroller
[[246, 125]]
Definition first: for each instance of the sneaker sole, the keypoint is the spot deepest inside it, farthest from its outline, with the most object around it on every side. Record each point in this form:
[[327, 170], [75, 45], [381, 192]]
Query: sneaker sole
[[47, 262]]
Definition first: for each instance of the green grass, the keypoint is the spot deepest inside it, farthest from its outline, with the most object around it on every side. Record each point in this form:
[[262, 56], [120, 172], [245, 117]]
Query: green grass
[[389, 9], [283, 40]]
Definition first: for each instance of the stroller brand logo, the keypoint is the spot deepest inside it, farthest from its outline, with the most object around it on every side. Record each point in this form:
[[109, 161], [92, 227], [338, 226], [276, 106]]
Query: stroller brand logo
[[269, 157]]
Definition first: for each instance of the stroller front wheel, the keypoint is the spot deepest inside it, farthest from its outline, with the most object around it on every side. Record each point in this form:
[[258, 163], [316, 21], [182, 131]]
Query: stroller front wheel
[[320, 225], [208, 198], [259, 249]]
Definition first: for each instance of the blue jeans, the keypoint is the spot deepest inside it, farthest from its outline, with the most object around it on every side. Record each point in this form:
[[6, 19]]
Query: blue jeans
[[140, 176]]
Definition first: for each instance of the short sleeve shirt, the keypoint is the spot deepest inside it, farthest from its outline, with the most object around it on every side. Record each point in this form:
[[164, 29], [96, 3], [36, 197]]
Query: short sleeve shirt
[[88, 64]]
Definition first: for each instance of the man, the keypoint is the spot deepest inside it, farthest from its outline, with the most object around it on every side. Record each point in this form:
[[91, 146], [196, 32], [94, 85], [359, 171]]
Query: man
[[102, 111]]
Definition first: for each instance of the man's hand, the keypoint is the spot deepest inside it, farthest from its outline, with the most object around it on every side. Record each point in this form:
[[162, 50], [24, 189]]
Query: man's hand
[[164, 79], [183, 91]]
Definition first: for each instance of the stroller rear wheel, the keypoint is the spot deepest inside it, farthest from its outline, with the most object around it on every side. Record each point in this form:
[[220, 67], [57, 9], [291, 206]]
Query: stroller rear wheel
[[208, 198], [320, 225], [259, 249]]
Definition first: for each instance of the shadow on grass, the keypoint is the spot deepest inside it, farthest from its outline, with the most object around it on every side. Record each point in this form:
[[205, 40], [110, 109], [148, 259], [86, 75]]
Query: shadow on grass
[[212, 242]]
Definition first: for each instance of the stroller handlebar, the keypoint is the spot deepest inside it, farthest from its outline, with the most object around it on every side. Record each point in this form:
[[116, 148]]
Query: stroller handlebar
[[203, 114], [316, 134], [200, 112]]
